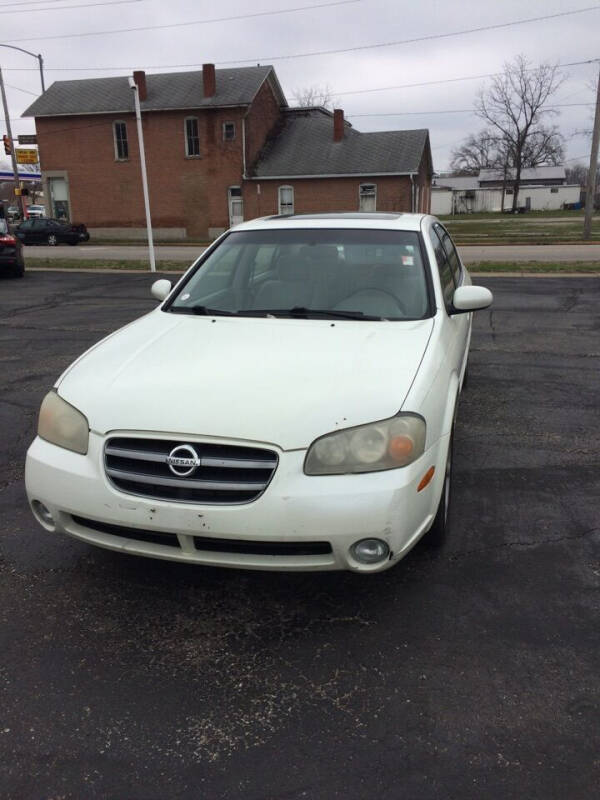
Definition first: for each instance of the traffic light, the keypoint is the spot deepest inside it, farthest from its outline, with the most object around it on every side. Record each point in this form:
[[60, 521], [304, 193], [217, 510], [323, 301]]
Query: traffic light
[[7, 145]]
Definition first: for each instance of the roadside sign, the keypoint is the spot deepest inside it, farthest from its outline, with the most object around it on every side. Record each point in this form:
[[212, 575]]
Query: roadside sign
[[28, 138], [26, 155]]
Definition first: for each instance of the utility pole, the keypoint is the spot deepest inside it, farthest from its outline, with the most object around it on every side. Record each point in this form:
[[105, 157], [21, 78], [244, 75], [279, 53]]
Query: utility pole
[[138, 116], [591, 183], [12, 146]]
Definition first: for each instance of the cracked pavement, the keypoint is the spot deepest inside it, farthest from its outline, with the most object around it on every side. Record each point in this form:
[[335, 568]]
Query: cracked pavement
[[467, 673]]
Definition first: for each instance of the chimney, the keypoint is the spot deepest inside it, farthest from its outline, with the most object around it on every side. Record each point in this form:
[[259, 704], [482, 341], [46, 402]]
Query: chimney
[[338, 124], [139, 76], [209, 80]]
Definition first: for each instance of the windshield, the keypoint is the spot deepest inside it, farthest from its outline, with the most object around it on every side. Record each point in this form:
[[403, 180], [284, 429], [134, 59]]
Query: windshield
[[343, 273]]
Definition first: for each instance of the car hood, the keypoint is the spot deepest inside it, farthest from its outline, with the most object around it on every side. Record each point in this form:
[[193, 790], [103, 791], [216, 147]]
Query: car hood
[[278, 381]]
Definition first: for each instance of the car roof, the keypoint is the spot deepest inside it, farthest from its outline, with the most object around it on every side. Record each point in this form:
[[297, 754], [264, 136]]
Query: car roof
[[386, 221]]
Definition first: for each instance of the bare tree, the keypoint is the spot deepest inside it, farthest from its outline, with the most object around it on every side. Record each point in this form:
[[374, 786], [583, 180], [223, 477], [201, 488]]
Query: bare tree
[[315, 96], [514, 107], [578, 173], [478, 151]]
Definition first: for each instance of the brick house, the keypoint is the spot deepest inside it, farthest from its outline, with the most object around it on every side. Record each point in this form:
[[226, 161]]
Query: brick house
[[221, 146]]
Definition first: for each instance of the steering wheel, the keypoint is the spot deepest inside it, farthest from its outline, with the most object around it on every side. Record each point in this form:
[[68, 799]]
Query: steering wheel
[[372, 290]]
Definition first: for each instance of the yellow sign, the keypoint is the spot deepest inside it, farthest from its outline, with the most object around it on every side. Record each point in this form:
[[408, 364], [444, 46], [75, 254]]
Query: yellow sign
[[26, 155]]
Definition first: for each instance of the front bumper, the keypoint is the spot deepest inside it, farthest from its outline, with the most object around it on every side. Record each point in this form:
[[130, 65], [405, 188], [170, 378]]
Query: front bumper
[[295, 508]]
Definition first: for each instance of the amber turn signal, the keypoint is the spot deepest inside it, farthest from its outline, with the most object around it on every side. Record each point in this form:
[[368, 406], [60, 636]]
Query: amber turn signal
[[426, 479]]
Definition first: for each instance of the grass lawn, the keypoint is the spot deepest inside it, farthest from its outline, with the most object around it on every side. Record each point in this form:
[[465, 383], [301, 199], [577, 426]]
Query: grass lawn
[[104, 263], [523, 229], [564, 267], [541, 267], [496, 215]]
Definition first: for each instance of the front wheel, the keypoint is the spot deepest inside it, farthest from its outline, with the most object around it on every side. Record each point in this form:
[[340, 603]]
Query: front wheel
[[52, 240], [438, 533]]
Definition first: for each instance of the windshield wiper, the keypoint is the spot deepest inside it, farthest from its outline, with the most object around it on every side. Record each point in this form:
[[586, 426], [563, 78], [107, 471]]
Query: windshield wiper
[[203, 311], [304, 313], [299, 312]]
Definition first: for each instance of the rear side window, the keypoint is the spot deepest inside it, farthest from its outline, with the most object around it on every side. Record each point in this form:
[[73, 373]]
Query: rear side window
[[444, 268]]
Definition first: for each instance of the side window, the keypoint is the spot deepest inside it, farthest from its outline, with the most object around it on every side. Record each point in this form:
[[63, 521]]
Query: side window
[[451, 253], [192, 139], [120, 137], [445, 271], [228, 131]]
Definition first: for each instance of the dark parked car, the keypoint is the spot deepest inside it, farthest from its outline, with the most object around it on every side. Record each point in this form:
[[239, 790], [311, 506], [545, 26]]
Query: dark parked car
[[11, 253], [51, 231]]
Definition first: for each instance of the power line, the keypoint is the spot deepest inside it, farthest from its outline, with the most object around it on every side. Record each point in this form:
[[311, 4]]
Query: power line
[[453, 111], [185, 24], [430, 37], [18, 89], [449, 80], [80, 5], [30, 3], [337, 94]]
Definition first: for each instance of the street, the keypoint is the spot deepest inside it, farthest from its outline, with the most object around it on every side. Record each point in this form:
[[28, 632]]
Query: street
[[187, 253], [467, 673]]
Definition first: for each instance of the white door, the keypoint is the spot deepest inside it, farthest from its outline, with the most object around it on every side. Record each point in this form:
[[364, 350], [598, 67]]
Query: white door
[[236, 205]]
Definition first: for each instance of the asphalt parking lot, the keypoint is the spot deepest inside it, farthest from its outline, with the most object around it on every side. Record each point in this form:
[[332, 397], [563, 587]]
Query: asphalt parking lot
[[468, 673]]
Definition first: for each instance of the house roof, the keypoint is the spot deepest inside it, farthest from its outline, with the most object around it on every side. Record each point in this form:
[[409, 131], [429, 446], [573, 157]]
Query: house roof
[[166, 91], [527, 174], [462, 183], [305, 147]]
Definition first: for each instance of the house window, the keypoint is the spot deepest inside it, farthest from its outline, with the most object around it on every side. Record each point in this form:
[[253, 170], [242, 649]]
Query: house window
[[228, 131], [367, 197], [192, 140], [286, 199], [120, 136], [554, 190]]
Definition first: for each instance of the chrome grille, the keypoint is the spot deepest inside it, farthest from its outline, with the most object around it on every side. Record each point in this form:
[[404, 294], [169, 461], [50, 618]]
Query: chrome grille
[[224, 473]]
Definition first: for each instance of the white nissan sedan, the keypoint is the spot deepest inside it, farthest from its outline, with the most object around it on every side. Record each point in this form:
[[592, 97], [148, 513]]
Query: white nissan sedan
[[289, 405]]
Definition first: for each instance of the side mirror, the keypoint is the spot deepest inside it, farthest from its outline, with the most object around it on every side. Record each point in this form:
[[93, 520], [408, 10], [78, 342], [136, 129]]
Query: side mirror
[[161, 289], [469, 298]]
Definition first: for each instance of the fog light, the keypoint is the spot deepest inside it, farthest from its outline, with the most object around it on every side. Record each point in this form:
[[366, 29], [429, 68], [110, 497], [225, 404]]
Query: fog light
[[42, 513], [370, 551]]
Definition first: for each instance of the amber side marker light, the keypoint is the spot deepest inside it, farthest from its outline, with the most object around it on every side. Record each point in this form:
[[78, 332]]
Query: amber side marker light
[[426, 479]]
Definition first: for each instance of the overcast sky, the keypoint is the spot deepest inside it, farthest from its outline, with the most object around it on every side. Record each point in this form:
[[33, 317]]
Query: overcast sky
[[353, 24]]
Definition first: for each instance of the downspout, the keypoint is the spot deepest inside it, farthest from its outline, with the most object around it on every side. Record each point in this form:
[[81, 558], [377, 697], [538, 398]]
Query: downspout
[[412, 193], [244, 176]]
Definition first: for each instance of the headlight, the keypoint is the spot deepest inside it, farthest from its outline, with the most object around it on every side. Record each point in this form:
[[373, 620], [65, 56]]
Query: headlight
[[61, 424], [388, 444]]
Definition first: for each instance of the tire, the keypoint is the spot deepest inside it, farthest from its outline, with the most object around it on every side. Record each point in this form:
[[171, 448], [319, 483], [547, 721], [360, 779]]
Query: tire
[[439, 531], [19, 271], [52, 240]]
